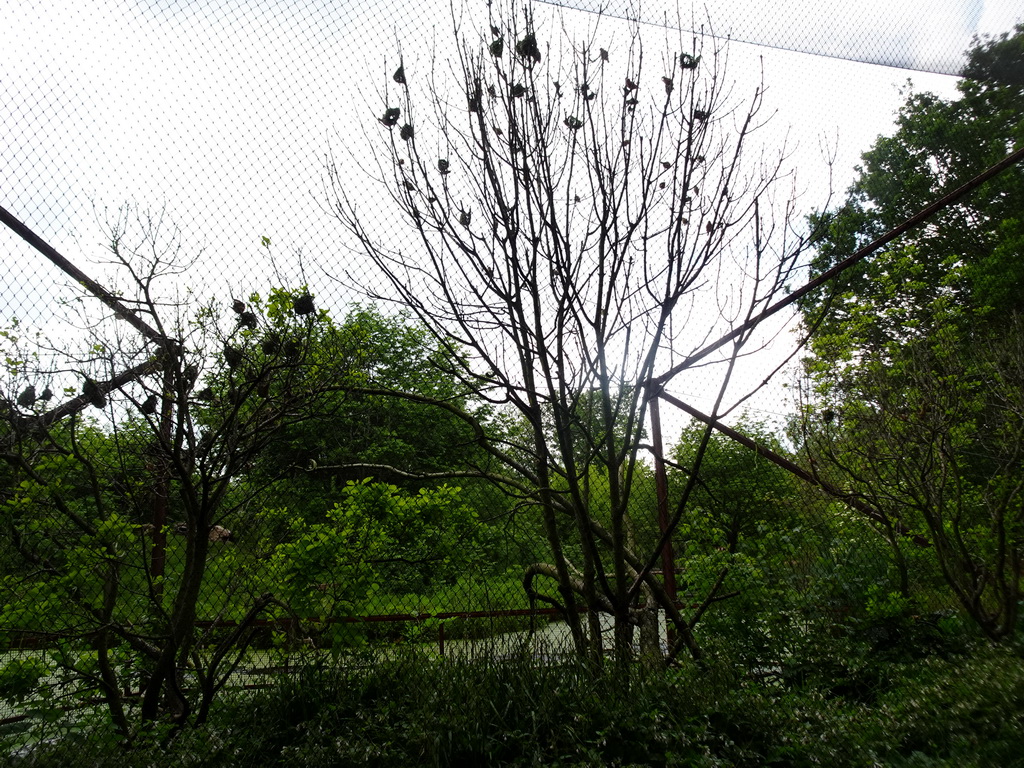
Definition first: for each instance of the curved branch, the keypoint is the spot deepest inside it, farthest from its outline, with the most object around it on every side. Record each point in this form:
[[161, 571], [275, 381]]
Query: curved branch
[[576, 584]]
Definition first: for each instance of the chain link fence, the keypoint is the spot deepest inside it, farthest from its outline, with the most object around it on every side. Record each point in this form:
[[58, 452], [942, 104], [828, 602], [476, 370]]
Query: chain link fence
[[275, 398]]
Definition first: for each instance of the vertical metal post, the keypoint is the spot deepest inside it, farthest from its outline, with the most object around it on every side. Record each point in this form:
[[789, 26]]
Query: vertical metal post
[[668, 567]]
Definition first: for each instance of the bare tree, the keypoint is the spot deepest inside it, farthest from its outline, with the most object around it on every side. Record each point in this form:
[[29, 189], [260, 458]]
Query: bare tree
[[583, 220]]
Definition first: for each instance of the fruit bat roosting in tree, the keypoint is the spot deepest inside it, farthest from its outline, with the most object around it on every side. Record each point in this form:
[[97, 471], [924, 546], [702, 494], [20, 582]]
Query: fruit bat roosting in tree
[[271, 344], [247, 320], [238, 306], [149, 406], [390, 117], [399, 76], [232, 356], [686, 61], [91, 390], [527, 48], [303, 305], [28, 397]]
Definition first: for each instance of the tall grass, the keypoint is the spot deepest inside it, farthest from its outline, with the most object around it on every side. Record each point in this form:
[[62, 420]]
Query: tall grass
[[420, 711]]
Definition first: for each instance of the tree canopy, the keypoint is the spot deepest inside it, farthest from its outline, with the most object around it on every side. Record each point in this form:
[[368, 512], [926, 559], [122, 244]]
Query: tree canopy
[[573, 210], [966, 258], [917, 352]]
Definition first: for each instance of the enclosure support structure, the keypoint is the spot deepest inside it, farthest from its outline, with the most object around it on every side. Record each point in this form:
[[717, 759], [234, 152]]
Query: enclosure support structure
[[916, 220], [97, 290], [668, 566]]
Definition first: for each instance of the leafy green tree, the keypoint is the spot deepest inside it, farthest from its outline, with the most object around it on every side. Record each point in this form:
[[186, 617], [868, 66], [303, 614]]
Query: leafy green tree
[[740, 496], [932, 439], [917, 352], [126, 533], [376, 538], [741, 532], [136, 530], [968, 254], [364, 431]]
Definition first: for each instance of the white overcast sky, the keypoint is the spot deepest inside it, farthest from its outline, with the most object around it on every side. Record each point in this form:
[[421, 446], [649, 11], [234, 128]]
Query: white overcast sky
[[222, 111]]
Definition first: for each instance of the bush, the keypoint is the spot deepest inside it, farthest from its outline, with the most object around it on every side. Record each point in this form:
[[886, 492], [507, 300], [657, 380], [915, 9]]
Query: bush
[[412, 710]]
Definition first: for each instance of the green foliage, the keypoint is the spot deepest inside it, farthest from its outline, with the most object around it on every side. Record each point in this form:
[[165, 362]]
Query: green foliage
[[375, 538], [741, 516], [361, 424], [282, 389], [933, 712], [931, 439], [917, 356], [415, 711], [20, 678], [740, 496], [967, 255]]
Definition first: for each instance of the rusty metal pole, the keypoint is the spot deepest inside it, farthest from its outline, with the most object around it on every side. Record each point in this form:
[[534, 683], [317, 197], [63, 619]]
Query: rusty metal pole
[[668, 565], [120, 309]]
